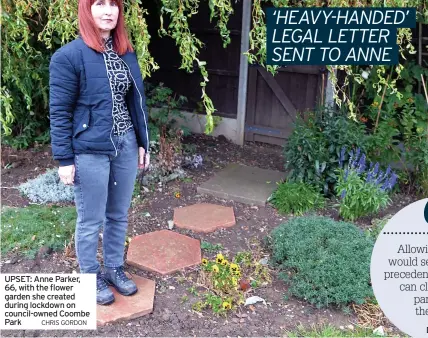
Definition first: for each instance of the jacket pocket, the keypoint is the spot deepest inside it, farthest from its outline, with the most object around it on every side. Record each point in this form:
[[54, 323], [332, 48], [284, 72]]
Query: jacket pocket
[[83, 123]]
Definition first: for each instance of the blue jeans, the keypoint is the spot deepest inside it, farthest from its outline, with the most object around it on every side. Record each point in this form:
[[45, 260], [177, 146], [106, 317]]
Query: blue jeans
[[99, 201]]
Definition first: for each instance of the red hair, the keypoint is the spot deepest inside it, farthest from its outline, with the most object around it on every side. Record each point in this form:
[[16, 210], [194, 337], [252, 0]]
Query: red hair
[[91, 34]]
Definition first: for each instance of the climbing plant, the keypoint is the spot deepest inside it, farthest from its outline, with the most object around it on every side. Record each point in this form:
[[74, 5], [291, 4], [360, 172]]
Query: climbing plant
[[33, 30]]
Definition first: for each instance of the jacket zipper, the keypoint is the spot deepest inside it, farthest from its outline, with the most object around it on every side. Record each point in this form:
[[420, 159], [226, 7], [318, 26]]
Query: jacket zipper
[[112, 127], [112, 102], [141, 106]]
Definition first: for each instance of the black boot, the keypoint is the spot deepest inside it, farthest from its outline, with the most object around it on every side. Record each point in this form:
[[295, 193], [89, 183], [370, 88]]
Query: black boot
[[104, 294], [118, 278]]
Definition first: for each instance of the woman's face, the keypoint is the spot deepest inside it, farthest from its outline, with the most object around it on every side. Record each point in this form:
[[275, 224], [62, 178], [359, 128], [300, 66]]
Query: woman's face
[[105, 14]]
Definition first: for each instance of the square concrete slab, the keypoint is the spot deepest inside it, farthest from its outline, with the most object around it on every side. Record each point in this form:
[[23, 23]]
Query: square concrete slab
[[163, 252], [204, 217], [128, 307], [240, 183]]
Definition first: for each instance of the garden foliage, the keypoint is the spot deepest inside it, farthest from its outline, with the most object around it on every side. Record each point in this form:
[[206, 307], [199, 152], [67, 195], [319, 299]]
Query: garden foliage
[[47, 188], [326, 262], [28, 229], [399, 123], [391, 127], [228, 281], [296, 198], [313, 149], [363, 189]]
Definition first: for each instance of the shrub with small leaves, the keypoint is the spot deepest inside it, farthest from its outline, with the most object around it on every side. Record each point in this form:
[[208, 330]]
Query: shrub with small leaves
[[47, 188], [326, 262], [296, 198]]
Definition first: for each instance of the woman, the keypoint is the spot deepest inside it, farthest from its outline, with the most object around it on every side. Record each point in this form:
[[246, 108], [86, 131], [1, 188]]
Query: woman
[[99, 132]]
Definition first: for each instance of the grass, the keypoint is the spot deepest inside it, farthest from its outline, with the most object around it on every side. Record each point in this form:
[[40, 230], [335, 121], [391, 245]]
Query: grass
[[329, 331], [30, 228]]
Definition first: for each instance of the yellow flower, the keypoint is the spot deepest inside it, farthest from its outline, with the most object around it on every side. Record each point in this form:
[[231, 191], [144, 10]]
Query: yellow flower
[[224, 262], [177, 194], [234, 281], [227, 306], [215, 268], [234, 267], [219, 258], [204, 261]]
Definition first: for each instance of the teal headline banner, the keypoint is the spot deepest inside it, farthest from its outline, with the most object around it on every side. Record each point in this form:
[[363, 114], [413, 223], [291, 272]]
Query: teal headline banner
[[335, 36]]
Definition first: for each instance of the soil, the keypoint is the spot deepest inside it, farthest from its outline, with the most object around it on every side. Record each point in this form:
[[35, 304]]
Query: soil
[[171, 316]]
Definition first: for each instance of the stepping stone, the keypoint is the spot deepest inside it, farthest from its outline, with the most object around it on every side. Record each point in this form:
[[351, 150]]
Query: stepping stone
[[244, 184], [128, 307], [164, 252], [204, 217]]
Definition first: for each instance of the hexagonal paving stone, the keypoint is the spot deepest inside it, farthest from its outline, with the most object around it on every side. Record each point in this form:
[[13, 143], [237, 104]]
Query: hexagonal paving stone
[[128, 307], [204, 217], [164, 252]]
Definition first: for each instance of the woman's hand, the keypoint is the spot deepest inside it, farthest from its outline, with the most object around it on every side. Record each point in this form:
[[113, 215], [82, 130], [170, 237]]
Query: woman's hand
[[144, 159], [66, 174]]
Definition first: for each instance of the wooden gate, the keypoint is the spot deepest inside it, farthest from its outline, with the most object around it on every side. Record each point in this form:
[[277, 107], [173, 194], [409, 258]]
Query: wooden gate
[[273, 102]]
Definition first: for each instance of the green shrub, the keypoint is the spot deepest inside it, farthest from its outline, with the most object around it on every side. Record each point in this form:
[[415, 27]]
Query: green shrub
[[167, 110], [30, 228], [328, 262], [296, 198], [313, 149]]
